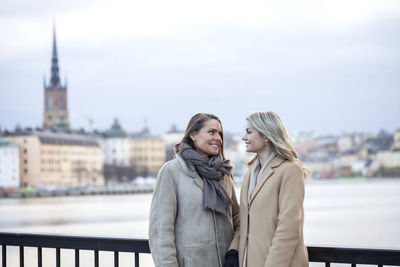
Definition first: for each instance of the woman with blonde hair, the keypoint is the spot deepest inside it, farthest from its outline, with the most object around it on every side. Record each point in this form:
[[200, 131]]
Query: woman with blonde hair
[[271, 199], [194, 216]]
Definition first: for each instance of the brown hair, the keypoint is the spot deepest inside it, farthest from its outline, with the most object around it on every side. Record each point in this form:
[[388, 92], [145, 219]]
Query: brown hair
[[195, 125]]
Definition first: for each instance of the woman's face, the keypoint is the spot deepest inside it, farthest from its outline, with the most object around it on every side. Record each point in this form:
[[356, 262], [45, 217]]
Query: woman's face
[[254, 140], [207, 140]]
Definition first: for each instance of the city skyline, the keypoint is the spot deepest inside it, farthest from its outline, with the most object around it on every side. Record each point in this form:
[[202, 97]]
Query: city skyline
[[327, 67]]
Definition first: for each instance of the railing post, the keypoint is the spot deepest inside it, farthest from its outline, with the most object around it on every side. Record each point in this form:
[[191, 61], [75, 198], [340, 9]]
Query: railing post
[[4, 256], [21, 256], [136, 259], [116, 259], [58, 257], [96, 258], [40, 261], [76, 257]]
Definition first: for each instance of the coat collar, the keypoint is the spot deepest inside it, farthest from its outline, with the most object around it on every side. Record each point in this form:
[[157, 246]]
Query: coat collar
[[189, 170], [275, 162]]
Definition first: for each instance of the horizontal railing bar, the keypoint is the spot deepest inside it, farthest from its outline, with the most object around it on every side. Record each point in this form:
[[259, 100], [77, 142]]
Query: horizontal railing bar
[[354, 255], [325, 255], [75, 242]]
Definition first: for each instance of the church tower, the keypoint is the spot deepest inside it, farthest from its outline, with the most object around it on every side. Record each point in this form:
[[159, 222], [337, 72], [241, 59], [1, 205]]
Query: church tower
[[55, 97]]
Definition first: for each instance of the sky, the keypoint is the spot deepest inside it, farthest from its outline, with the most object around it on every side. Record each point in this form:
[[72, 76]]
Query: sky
[[328, 66]]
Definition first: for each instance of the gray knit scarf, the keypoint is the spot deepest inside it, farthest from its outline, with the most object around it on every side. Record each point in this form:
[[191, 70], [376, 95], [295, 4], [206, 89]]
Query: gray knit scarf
[[211, 170]]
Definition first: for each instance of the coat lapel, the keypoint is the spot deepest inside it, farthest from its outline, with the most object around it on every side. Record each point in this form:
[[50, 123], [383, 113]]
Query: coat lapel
[[266, 174], [245, 188], [190, 171], [198, 181]]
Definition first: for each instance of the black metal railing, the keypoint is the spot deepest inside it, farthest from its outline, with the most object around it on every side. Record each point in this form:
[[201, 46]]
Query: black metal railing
[[76, 243], [327, 255], [354, 256]]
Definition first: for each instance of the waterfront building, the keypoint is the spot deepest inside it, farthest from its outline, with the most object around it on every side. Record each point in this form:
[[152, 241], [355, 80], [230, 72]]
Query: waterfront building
[[345, 162], [58, 159], [171, 138], [55, 97], [396, 140], [9, 164], [389, 159], [147, 153], [349, 143], [115, 145], [303, 142], [320, 168]]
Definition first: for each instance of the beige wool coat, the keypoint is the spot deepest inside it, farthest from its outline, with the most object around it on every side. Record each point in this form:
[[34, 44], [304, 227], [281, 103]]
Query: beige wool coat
[[181, 231], [272, 224]]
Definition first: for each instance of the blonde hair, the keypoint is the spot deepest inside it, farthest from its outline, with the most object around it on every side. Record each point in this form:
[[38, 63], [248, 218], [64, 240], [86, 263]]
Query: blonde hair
[[270, 125]]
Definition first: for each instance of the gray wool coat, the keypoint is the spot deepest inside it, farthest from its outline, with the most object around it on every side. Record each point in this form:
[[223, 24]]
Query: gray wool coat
[[181, 232]]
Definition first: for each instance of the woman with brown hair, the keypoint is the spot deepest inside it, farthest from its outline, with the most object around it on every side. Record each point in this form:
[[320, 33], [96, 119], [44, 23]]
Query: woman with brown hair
[[271, 198], [194, 216]]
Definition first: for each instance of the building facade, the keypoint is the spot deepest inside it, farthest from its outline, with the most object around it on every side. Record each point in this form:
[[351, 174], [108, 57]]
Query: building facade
[[57, 159], [171, 138], [9, 164], [115, 145], [147, 153]]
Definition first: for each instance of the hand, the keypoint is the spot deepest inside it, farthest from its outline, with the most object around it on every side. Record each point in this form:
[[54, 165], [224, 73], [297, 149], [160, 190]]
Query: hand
[[231, 258]]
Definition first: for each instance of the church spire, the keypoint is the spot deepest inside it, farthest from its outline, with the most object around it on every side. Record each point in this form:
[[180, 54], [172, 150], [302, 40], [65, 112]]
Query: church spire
[[55, 77], [55, 95]]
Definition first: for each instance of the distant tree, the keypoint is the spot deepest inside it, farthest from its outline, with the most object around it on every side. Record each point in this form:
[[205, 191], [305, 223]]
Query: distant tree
[[117, 174]]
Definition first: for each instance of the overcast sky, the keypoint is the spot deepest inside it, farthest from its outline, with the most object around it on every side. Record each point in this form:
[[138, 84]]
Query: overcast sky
[[324, 66]]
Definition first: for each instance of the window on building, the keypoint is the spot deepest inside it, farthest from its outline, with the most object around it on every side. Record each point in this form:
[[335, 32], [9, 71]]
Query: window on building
[[25, 170], [50, 103], [61, 104]]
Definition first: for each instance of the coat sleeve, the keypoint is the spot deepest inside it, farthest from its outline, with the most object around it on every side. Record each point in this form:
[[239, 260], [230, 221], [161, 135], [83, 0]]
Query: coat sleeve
[[236, 221], [162, 218], [290, 216]]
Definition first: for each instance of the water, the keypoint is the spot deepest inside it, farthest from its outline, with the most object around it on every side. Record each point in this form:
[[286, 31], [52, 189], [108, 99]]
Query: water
[[345, 213]]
